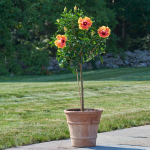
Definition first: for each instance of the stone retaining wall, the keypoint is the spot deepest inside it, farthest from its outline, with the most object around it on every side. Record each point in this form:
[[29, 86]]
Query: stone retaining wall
[[133, 59]]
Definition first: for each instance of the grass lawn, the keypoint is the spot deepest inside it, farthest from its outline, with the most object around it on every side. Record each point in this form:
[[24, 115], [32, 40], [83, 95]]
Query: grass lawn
[[31, 107]]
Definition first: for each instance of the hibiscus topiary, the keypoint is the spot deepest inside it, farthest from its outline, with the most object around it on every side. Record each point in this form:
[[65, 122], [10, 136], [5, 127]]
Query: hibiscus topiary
[[80, 43]]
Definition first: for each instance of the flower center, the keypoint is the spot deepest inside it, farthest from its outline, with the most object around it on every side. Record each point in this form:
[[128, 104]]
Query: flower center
[[103, 32], [63, 41], [84, 23]]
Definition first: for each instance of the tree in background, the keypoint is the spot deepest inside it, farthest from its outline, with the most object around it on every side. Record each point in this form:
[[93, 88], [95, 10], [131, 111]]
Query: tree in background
[[133, 26], [21, 48], [27, 25]]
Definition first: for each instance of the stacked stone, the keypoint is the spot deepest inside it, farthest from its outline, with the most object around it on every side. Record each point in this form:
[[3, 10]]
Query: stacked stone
[[138, 58], [53, 65], [133, 59]]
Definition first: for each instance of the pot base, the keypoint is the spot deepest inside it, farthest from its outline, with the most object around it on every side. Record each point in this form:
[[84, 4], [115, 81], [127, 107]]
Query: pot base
[[83, 143]]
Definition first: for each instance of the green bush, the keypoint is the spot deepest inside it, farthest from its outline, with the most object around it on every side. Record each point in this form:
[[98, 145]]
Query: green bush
[[133, 23], [27, 25], [22, 46]]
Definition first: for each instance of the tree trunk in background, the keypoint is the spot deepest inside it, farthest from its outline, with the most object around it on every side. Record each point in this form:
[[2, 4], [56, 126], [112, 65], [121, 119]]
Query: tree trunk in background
[[123, 30]]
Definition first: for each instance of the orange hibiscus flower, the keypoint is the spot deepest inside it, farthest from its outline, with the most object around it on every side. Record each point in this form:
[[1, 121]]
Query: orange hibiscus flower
[[104, 32], [61, 41], [84, 23]]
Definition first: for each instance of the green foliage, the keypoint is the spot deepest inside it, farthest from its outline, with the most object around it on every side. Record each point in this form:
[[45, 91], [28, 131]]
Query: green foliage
[[25, 27], [22, 46], [133, 21], [141, 43], [102, 15], [81, 45]]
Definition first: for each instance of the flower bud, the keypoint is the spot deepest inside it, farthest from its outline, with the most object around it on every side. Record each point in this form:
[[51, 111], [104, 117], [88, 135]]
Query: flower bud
[[75, 8], [65, 9], [57, 20], [92, 33], [65, 28]]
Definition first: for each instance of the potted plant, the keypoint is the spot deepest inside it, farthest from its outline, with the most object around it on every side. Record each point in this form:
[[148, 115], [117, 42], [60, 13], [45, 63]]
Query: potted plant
[[79, 43]]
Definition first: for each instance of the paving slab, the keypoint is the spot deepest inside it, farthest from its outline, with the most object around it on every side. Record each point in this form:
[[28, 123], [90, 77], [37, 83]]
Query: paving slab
[[135, 138]]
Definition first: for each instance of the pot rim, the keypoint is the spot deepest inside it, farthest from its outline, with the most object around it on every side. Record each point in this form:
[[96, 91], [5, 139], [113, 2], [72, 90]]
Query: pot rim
[[72, 111]]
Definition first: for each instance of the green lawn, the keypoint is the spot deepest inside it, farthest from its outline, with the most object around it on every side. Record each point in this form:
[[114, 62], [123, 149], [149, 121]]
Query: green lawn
[[31, 107]]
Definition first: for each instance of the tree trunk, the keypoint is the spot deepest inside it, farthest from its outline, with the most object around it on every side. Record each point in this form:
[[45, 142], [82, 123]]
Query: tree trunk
[[82, 98], [79, 89]]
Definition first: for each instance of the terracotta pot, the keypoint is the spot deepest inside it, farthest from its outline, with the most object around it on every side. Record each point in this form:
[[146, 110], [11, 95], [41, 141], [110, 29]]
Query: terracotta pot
[[83, 126]]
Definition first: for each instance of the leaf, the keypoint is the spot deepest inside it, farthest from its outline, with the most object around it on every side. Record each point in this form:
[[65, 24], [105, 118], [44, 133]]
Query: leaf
[[72, 69], [101, 58]]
